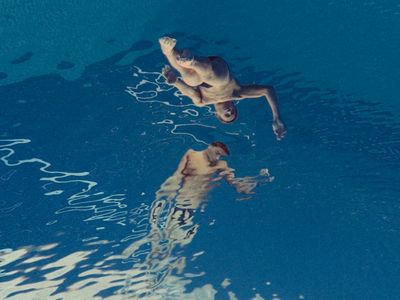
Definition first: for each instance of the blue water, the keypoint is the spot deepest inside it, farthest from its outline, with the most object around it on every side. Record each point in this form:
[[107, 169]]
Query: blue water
[[90, 133]]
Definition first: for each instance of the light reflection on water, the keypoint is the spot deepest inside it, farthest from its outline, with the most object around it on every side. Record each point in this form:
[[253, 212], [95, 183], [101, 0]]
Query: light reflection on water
[[318, 118], [151, 88], [39, 273], [107, 208], [153, 265], [170, 223]]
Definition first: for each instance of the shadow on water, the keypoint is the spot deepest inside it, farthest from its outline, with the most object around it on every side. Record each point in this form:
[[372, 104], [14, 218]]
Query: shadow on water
[[23, 58], [94, 124]]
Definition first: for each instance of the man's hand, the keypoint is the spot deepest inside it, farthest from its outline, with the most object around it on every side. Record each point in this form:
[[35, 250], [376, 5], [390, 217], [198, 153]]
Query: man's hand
[[279, 129], [170, 76], [245, 185]]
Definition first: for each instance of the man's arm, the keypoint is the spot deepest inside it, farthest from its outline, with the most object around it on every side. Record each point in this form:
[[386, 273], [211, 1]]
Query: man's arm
[[242, 185], [257, 91]]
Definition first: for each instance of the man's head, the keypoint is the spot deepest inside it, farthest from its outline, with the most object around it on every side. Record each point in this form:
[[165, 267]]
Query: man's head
[[226, 112], [220, 148]]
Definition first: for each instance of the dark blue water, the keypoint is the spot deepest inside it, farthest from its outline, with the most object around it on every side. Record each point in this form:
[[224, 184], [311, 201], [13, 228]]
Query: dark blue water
[[90, 133]]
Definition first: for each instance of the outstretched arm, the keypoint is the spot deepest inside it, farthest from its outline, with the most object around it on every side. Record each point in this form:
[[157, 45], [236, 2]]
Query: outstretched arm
[[242, 185], [257, 91]]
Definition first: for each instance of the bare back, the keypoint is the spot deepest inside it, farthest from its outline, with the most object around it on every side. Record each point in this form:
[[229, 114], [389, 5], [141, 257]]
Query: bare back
[[219, 84]]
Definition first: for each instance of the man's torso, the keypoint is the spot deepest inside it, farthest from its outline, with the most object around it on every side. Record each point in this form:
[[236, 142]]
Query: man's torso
[[220, 85]]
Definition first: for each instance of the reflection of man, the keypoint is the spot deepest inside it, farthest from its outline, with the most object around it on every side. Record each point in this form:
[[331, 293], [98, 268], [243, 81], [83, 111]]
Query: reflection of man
[[208, 80], [172, 213]]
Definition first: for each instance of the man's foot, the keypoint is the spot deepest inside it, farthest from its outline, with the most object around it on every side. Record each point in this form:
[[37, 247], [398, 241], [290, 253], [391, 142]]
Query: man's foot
[[169, 75], [167, 44]]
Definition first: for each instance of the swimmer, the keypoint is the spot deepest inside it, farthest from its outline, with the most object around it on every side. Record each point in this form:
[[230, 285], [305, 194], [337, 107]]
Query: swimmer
[[197, 173], [208, 80], [171, 218]]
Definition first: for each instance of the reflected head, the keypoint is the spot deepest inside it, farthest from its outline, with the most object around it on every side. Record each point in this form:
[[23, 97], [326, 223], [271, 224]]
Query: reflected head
[[224, 149]]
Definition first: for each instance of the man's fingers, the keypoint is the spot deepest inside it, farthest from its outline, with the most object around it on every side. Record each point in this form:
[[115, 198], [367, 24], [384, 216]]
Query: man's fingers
[[280, 133]]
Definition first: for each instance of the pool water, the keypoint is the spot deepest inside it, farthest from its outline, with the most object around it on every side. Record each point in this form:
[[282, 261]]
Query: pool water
[[91, 137]]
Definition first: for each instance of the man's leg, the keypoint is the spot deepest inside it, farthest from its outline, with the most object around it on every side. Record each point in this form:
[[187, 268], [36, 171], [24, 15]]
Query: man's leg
[[195, 70], [212, 70], [200, 65], [191, 92], [172, 54]]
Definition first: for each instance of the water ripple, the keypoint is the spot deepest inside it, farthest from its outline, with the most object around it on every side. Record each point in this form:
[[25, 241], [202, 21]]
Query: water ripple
[[107, 208]]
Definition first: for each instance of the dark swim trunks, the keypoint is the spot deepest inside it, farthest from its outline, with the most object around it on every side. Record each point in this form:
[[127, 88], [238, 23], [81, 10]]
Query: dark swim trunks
[[185, 214]]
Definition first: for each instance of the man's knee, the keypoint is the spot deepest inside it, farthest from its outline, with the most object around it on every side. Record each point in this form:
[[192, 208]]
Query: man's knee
[[197, 99]]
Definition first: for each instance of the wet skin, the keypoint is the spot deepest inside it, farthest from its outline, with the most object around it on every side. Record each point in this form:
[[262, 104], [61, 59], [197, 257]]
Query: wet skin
[[208, 80]]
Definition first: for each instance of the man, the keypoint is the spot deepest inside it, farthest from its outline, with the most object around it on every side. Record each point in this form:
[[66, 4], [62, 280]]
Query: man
[[171, 217], [208, 80]]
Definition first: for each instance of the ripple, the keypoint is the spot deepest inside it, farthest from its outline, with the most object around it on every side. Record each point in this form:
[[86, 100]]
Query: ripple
[[106, 208], [151, 89], [48, 272]]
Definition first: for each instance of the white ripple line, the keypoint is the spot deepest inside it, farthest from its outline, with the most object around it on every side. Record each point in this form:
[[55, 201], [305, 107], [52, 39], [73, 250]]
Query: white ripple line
[[160, 86], [149, 95], [45, 164], [107, 213], [190, 134]]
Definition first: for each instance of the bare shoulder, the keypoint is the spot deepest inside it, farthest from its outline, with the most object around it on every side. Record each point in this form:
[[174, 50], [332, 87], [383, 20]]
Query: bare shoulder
[[190, 152], [187, 155], [193, 155]]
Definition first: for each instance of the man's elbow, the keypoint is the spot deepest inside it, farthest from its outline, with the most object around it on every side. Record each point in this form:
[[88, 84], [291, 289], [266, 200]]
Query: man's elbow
[[269, 89]]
